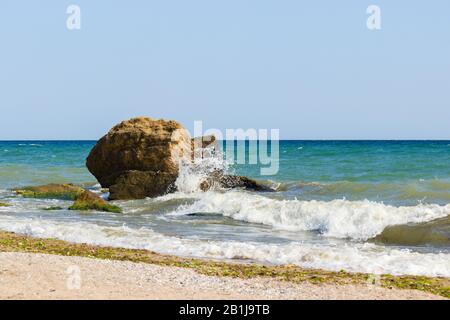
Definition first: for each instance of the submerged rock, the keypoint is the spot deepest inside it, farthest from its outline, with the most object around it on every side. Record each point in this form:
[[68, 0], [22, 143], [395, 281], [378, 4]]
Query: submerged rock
[[50, 191], [230, 182], [53, 208], [90, 201], [3, 204], [137, 151]]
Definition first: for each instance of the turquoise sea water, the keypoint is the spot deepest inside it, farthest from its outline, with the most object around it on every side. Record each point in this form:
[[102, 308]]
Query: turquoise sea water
[[398, 172], [373, 206]]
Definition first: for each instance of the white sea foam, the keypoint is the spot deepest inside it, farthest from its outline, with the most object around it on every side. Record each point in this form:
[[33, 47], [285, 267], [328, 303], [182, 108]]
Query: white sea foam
[[356, 257], [191, 175], [24, 205], [359, 220]]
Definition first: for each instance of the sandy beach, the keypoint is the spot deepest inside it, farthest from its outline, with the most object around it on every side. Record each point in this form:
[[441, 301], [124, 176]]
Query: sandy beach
[[42, 276]]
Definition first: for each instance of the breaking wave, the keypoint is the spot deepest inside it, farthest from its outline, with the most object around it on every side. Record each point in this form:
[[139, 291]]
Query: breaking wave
[[359, 220]]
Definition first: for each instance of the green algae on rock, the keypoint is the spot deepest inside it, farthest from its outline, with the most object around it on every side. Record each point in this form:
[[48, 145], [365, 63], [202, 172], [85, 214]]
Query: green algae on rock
[[3, 204], [90, 201], [50, 191]]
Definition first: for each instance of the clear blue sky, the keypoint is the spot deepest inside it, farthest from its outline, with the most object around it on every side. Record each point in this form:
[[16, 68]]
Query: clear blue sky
[[310, 68]]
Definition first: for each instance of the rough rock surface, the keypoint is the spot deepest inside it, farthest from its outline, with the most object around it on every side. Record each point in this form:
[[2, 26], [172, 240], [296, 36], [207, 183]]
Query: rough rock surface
[[204, 141], [137, 151], [50, 191], [204, 146], [229, 182], [90, 201], [140, 184]]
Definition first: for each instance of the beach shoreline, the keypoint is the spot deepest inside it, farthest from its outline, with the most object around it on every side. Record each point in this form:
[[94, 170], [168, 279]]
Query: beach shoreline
[[34, 268]]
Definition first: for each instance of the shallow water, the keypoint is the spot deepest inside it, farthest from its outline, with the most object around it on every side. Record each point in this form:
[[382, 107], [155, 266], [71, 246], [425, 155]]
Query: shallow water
[[380, 207]]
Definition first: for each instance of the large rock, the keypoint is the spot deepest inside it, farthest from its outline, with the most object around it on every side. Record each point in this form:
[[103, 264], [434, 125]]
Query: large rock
[[140, 157]]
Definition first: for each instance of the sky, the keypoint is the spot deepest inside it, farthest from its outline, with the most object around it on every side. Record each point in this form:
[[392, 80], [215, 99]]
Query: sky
[[311, 69]]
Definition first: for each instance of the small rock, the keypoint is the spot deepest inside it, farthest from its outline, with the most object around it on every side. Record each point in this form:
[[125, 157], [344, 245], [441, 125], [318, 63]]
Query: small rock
[[230, 182], [50, 191], [53, 208], [90, 201]]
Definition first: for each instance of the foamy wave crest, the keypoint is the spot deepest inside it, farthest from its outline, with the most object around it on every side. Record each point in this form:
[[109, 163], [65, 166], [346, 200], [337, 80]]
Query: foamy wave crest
[[192, 174], [355, 257], [359, 220]]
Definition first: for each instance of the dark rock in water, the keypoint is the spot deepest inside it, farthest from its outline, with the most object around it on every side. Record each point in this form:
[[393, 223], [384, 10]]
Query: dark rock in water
[[229, 182], [53, 208], [139, 144], [90, 201], [141, 184], [51, 191]]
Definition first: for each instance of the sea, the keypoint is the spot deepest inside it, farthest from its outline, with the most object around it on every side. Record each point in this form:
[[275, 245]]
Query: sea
[[361, 206]]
